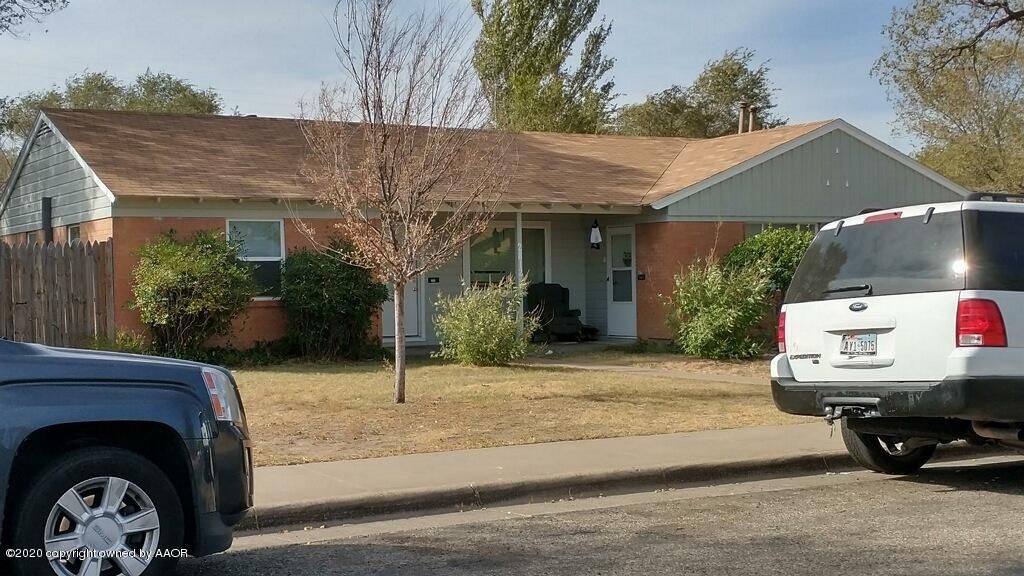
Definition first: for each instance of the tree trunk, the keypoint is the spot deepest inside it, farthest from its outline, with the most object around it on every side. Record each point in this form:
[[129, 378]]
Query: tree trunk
[[400, 343]]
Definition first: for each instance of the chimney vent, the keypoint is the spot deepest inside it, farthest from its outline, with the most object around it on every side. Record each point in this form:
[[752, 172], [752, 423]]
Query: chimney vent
[[753, 118], [743, 116]]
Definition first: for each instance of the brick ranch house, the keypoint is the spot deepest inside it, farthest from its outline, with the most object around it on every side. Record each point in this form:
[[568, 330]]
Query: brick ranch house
[[659, 204]]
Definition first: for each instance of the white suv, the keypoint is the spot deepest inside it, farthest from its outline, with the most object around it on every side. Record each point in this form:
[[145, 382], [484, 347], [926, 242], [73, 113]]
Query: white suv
[[908, 326]]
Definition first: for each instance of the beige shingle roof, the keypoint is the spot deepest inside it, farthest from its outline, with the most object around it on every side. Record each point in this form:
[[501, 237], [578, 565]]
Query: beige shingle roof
[[141, 154]]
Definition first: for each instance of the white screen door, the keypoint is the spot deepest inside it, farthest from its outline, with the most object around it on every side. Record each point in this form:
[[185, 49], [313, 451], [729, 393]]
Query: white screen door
[[412, 311], [621, 282]]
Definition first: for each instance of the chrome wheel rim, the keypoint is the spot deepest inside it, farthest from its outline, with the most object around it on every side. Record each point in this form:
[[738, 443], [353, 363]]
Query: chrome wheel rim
[[104, 526]]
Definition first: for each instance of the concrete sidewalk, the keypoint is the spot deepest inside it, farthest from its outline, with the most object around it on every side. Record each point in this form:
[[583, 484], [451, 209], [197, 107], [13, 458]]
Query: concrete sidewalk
[[445, 481]]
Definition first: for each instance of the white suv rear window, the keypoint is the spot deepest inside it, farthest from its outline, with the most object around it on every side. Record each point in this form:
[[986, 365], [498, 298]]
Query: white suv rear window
[[995, 250], [897, 256]]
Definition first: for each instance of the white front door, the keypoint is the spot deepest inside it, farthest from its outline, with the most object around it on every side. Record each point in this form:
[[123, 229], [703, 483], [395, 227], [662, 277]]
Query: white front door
[[621, 282], [413, 324]]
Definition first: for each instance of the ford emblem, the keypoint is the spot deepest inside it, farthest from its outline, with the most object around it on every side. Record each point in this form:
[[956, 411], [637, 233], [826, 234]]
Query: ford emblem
[[858, 306]]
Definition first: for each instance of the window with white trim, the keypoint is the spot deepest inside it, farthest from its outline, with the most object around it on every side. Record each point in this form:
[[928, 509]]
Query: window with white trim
[[262, 244], [74, 233]]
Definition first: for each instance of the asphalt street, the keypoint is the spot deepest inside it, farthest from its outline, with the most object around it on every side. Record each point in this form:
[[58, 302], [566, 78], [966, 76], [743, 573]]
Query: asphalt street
[[951, 519]]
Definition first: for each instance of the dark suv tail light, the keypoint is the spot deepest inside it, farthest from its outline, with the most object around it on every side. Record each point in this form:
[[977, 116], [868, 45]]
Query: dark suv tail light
[[780, 333], [979, 323]]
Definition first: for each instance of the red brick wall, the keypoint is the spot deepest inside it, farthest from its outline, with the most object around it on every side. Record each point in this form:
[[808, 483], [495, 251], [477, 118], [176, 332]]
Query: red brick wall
[[263, 321], [664, 249], [92, 231]]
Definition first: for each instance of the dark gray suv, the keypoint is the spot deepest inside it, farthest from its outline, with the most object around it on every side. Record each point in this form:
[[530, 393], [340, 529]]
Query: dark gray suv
[[116, 464]]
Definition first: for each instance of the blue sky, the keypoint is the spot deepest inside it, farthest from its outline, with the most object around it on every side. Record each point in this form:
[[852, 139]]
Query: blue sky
[[264, 55]]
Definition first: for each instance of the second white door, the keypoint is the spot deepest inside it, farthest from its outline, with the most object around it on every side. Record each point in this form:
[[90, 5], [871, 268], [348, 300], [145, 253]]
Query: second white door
[[621, 282]]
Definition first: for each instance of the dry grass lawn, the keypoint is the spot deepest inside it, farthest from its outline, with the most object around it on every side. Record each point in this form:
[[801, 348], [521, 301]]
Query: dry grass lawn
[[308, 413], [757, 368]]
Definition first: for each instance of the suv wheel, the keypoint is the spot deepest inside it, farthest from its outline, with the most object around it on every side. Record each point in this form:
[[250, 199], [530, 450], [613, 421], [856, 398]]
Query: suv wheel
[[885, 454], [98, 511]]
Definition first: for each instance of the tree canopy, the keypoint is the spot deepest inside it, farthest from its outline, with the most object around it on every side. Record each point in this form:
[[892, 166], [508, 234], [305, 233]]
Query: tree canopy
[[521, 57], [14, 13], [708, 107], [929, 34], [957, 84]]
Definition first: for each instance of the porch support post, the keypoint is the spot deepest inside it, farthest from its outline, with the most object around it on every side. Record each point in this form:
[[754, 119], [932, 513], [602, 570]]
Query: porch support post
[[519, 259]]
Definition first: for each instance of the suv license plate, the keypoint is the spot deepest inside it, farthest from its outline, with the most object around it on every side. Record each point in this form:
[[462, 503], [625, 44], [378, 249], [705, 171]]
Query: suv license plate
[[859, 345]]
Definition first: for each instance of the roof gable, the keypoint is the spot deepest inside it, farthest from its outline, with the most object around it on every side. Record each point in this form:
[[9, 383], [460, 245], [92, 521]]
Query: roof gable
[[753, 154]]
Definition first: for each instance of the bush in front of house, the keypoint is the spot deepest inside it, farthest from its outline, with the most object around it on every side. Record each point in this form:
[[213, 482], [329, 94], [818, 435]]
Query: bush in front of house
[[480, 326], [715, 311], [122, 341], [188, 291], [777, 251], [330, 304]]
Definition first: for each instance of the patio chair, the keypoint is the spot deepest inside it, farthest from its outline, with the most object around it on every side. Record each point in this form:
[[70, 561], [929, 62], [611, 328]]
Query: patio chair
[[551, 304]]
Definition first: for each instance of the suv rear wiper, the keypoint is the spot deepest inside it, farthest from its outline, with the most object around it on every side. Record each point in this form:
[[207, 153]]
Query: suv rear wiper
[[851, 288]]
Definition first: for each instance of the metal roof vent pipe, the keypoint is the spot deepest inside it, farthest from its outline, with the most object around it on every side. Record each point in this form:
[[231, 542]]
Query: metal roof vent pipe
[[753, 118], [743, 116]]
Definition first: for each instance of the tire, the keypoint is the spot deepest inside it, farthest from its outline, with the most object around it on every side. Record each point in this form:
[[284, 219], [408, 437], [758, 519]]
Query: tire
[[868, 451], [93, 471]]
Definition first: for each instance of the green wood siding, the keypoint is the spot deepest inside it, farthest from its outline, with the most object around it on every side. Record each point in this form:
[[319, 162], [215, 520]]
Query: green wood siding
[[52, 171], [828, 178]]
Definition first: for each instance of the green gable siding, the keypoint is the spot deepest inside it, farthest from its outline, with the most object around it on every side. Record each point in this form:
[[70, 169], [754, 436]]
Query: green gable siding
[[832, 176], [51, 171]]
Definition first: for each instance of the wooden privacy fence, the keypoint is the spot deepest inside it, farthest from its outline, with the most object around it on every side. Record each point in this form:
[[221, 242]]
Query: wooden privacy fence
[[57, 294]]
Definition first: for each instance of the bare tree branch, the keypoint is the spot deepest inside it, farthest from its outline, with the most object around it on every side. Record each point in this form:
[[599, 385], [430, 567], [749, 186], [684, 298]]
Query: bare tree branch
[[14, 13], [401, 150]]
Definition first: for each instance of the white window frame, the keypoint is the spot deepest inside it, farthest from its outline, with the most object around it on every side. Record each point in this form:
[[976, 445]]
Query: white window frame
[[71, 227], [284, 251], [511, 224]]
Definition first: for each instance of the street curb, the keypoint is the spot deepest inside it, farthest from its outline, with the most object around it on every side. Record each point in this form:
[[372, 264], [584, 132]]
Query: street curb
[[442, 499]]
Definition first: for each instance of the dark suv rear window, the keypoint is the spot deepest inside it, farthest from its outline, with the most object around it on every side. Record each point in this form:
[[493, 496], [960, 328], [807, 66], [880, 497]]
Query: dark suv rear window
[[995, 250], [899, 256]]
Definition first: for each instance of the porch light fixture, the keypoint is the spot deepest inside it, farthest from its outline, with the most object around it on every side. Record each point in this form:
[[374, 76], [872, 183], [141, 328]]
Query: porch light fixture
[[595, 236]]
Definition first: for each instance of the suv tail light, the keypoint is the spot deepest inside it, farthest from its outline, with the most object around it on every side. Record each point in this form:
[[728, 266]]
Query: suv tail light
[[979, 323], [780, 332]]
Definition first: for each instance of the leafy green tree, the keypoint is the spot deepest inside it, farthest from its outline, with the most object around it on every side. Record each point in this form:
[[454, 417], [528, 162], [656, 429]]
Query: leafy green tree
[[968, 112], [14, 13], [930, 34], [149, 92], [522, 58], [708, 107]]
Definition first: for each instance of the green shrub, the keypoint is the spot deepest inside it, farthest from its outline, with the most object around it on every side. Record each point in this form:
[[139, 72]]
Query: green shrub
[[480, 326], [122, 341], [330, 304], [188, 291], [715, 311], [777, 251]]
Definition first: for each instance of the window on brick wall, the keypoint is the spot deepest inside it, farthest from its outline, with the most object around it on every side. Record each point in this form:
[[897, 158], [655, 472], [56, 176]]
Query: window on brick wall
[[262, 244], [74, 233]]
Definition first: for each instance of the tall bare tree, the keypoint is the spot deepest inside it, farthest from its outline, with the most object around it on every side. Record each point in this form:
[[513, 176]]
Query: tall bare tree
[[400, 148]]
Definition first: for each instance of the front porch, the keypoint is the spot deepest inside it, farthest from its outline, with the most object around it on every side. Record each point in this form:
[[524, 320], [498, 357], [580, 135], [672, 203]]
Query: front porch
[[547, 247]]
